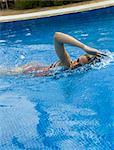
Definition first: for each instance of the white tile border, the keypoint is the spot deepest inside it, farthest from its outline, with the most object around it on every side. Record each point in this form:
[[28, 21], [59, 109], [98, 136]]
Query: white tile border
[[60, 11]]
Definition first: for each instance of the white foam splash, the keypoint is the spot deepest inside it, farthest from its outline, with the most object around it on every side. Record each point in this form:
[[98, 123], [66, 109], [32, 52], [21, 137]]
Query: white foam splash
[[22, 57], [104, 61]]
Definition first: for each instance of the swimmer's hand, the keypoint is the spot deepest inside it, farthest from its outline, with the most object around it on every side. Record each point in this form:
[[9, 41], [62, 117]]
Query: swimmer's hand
[[101, 54], [91, 51]]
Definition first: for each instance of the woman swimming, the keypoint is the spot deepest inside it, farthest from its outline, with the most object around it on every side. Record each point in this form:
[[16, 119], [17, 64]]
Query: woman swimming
[[64, 59]]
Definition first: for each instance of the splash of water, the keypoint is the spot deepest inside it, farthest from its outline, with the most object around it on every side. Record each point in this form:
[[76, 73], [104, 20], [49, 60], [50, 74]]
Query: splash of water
[[104, 62]]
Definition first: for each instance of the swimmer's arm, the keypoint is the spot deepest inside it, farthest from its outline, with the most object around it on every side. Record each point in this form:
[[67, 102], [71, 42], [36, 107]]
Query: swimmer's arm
[[67, 39], [59, 41]]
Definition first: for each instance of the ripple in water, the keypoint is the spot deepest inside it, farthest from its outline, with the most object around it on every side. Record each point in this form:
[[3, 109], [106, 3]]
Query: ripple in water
[[2, 41], [19, 123], [66, 123], [28, 34], [18, 41], [84, 35], [104, 39], [40, 47]]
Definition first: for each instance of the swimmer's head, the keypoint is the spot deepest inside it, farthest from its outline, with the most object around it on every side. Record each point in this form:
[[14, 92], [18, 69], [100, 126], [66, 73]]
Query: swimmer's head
[[79, 62], [82, 60]]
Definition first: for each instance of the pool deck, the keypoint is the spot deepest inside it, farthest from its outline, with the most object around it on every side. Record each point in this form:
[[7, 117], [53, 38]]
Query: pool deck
[[59, 11]]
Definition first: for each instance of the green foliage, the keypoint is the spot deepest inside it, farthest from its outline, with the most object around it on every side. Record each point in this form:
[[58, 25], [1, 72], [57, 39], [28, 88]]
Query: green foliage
[[45, 3], [58, 2], [27, 4]]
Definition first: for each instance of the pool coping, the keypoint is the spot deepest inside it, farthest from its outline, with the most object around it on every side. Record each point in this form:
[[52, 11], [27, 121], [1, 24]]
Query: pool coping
[[59, 11]]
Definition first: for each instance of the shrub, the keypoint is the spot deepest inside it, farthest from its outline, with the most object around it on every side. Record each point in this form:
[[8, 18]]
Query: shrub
[[45, 3], [58, 2], [27, 4]]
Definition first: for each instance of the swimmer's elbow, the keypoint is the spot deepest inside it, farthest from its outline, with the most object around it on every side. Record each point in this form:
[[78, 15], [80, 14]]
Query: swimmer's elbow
[[57, 35]]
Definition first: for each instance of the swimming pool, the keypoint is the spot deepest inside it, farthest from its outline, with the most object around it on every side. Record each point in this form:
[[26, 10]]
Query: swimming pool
[[70, 110]]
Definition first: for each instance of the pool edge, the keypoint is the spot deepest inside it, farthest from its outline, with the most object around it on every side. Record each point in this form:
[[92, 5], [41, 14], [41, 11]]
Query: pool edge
[[60, 11]]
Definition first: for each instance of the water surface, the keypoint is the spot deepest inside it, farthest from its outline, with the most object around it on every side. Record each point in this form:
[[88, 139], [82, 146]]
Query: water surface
[[70, 110]]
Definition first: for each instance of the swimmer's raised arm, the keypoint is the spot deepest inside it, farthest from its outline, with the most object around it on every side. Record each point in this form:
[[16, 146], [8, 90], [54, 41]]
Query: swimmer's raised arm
[[61, 39]]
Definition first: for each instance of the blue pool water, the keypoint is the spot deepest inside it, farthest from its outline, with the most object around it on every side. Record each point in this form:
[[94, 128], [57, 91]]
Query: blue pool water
[[70, 110]]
